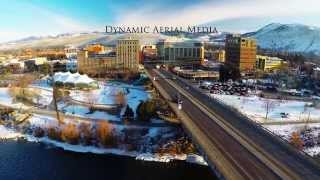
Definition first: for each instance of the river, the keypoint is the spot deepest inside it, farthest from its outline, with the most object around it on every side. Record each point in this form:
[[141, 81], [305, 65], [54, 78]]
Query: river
[[21, 160]]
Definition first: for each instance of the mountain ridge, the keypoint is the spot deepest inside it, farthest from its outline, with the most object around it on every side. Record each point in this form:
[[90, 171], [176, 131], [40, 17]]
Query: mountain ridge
[[275, 36]]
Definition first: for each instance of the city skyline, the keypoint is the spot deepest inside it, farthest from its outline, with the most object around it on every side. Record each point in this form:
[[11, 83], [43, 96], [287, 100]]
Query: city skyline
[[21, 19]]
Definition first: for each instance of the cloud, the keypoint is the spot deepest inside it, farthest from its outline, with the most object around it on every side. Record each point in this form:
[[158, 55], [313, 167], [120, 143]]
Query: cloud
[[209, 11], [33, 20]]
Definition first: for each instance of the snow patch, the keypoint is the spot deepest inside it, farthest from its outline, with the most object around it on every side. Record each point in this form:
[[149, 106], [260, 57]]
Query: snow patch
[[7, 133]]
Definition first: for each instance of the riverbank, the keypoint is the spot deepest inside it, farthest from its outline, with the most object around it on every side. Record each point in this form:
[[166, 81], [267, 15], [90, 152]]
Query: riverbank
[[144, 153]]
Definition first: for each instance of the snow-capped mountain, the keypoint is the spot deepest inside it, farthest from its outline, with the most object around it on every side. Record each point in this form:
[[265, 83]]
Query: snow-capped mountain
[[288, 37], [281, 37]]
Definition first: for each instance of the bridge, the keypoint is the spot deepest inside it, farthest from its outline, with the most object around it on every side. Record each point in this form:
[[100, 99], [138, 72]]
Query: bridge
[[232, 144]]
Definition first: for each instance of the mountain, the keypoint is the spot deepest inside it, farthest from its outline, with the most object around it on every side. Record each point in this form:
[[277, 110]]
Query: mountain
[[82, 39], [280, 37], [60, 40], [288, 37]]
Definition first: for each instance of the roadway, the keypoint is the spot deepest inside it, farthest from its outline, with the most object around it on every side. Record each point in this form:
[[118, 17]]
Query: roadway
[[236, 146]]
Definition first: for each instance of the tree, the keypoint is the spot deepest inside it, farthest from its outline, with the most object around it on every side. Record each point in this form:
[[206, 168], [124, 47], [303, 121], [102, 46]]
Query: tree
[[25, 80], [70, 134], [120, 98], [55, 95], [268, 106], [104, 133], [27, 95], [45, 68], [128, 114], [54, 133], [91, 99], [86, 133], [296, 140], [146, 110]]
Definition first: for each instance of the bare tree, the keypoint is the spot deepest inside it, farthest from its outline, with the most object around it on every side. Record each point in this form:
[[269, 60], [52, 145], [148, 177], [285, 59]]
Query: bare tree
[[91, 99], [268, 106], [55, 95], [120, 98], [306, 109], [104, 133], [296, 140]]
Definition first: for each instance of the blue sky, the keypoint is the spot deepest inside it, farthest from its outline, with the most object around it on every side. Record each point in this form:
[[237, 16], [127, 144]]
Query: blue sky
[[23, 18]]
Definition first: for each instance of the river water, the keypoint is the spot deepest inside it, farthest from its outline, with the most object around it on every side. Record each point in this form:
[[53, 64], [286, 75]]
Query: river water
[[20, 160]]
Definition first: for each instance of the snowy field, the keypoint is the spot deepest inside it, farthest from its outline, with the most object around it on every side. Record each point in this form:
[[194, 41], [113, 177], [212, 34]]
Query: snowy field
[[105, 95], [107, 92], [311, 137], [254, 108]]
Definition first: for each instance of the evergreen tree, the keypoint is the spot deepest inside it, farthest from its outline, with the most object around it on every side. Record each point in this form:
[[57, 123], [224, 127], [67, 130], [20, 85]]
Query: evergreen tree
[[128, 114], [146, 110]]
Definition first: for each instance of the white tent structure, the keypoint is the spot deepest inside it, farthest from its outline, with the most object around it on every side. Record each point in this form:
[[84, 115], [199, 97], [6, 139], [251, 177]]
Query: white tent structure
[[75, 79]]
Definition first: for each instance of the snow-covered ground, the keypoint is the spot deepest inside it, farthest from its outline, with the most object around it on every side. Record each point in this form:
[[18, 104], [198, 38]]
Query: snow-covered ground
[[254, 108], [312, 135], [45, 97], [106, 92], [83, 111], [104, 95], [7, 133]]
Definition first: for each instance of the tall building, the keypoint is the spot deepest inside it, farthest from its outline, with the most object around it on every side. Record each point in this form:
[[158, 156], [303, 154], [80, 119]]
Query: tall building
[[180, 53], [128, 54], [241, 53]]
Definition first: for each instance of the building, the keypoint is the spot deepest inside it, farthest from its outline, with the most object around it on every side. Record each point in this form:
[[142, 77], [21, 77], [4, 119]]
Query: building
[[59, 65], [72, 65], [196, 74], [240, 53], [95, 48], [95, 64], [70, 51], [180, 53], [316, 73], [97, 60], [128, 54], [149, 53], [12, 66], [34, 64], [269, 64], [219, 55]]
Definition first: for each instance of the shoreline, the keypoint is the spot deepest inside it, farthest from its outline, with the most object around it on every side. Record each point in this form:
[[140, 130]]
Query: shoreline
[[11, 135]]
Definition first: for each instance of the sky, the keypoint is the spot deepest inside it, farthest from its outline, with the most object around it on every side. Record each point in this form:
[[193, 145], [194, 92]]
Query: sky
[[24, 18]]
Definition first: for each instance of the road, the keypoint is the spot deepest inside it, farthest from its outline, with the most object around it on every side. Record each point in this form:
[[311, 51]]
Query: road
[[237, 147]]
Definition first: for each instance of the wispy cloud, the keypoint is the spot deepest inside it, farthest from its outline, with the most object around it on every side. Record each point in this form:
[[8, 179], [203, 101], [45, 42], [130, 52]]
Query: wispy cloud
[[209, 11]]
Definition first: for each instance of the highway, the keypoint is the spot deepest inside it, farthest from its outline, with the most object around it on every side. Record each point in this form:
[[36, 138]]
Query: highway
[[233, 144]]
